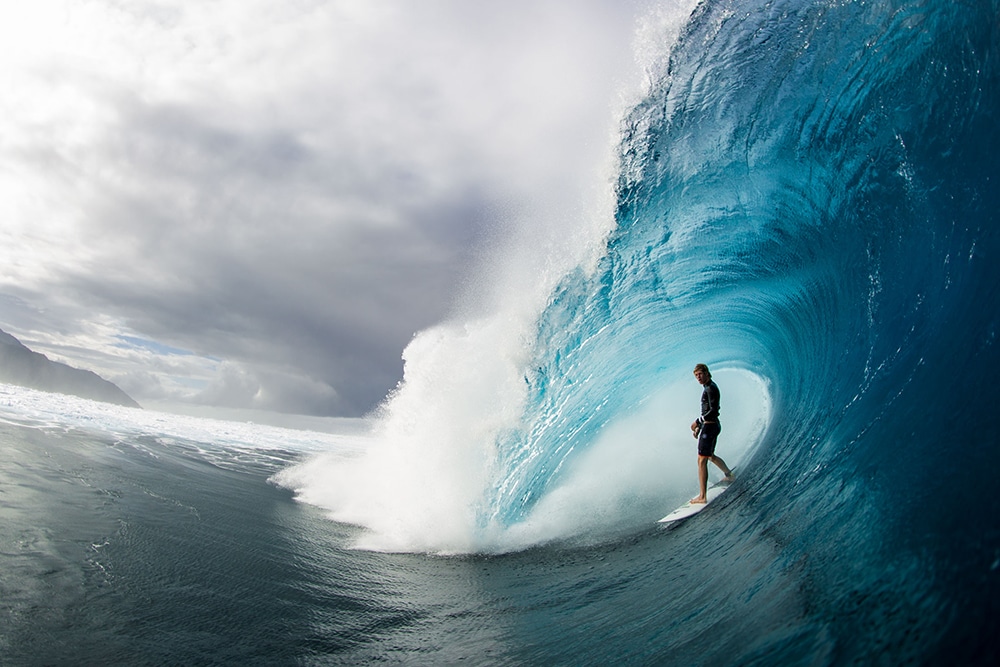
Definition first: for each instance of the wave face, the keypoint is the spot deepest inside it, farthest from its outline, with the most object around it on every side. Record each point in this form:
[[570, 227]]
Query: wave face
[[810, 193], [808, 200], [807, 193]]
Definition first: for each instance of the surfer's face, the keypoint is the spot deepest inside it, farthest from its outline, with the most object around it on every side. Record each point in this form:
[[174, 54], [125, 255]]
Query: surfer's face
[[701, 376]]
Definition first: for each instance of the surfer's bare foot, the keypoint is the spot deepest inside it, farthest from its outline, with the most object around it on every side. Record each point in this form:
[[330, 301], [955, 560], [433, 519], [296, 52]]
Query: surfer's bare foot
[[729, 479], [700, 500]]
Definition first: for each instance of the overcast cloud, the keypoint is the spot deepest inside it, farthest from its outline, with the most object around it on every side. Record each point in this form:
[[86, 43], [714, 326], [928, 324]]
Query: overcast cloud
[[257, 203]]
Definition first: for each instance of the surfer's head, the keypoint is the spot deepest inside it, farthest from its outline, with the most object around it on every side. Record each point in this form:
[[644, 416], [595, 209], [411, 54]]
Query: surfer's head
[[702, 373]]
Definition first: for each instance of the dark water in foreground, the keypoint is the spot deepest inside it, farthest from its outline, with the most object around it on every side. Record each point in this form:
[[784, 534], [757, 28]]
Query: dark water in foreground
[[143, 549]]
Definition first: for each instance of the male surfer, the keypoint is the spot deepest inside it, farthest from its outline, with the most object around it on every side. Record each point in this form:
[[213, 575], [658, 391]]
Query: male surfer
[[707, 428]]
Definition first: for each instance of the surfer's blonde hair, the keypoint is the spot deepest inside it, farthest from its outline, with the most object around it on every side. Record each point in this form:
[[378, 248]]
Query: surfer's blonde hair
[[704, 369]]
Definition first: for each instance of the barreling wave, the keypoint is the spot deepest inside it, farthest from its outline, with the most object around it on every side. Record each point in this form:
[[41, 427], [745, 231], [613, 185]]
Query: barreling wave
[[791, 202], [806, 197]]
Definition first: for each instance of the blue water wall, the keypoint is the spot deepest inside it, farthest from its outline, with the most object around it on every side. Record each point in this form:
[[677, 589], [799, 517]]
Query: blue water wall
[[810, 192]]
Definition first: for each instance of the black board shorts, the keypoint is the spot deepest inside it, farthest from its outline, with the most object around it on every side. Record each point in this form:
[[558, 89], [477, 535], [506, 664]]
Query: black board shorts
[[706, 439]]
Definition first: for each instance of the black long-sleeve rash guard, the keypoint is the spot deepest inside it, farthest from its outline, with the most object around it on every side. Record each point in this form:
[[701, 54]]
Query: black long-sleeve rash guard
[[710, 403]]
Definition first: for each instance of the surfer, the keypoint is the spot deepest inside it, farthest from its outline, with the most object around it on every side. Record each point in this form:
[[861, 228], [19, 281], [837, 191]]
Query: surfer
[[707, 428]]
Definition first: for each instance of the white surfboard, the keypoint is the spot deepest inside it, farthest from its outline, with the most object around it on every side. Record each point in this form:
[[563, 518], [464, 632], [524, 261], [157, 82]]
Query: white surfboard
[[687, 509]]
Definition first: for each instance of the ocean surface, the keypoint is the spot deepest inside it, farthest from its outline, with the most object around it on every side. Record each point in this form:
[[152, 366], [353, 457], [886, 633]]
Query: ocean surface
[[807, 201]]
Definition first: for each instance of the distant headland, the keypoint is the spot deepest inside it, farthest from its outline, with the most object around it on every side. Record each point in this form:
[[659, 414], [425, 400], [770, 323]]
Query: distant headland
[[21, 366]]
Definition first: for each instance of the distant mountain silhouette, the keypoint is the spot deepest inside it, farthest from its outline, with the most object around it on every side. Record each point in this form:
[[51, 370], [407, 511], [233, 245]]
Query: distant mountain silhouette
[[21, 366]]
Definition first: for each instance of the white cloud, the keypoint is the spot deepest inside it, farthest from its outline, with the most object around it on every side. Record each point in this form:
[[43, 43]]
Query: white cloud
[[293, 188]]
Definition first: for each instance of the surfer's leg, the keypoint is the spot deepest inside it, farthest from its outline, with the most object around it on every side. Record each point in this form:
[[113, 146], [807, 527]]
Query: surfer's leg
[[723, 467], [706, 452], [702, 480]]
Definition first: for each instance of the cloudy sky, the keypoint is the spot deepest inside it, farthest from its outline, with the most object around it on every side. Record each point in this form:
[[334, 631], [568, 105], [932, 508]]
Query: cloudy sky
[[257, 203]]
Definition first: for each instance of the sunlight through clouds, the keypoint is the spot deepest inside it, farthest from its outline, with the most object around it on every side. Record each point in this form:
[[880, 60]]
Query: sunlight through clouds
[[293, 188]]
